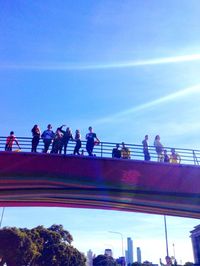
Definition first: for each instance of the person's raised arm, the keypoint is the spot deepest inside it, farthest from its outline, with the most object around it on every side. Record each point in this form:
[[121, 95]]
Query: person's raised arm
[[61, 128]]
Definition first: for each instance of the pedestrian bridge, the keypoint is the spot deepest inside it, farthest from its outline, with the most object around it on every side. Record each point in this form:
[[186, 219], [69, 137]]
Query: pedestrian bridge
[[37, 179]]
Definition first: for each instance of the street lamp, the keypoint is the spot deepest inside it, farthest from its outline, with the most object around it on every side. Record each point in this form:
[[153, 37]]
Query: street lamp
[[166, 239], [113, 232]]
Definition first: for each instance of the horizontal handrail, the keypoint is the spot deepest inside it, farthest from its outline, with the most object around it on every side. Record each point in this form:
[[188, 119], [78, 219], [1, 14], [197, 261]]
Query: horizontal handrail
[[104, 149]]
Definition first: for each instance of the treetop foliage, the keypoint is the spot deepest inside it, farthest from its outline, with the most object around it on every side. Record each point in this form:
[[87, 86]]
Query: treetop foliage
[[38, 246]]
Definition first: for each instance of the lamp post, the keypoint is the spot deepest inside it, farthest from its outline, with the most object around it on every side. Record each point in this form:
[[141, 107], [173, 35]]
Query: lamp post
[[113, 232], [166, 239]]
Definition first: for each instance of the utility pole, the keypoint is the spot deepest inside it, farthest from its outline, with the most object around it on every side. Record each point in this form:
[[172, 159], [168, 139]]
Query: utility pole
[[166, 239], [2, 214]]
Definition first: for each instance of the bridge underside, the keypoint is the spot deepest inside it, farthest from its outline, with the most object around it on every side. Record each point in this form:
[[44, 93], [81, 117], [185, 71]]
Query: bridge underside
[[99, 183]]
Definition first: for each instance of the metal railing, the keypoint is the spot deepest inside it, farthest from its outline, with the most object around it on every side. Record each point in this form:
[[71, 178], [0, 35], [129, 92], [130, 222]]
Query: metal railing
[[104, 149]]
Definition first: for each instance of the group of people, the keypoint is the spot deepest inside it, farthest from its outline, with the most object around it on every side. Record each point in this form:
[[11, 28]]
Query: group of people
[[174, 157], [123, 152], [60, 139]]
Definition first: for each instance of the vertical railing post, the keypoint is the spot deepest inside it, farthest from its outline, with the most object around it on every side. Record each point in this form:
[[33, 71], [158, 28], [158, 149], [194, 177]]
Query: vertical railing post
[[101, 149], [195, 158]]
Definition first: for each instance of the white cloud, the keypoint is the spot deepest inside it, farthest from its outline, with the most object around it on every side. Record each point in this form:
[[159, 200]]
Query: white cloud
[[95, 66], [152, 104]]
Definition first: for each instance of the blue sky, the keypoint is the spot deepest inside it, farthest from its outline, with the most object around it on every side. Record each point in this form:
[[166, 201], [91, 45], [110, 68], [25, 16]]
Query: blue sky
[[128, 68]]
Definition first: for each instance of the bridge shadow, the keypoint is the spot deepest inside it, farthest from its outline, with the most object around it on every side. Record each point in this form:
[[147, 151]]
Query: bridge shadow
[[28, 179]]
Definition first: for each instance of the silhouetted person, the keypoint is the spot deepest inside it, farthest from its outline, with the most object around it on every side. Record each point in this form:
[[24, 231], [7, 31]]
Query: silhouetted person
[[146, 148], [57, 142], [125, 152], [67, 136], [10, 140], [116, 152], [48, 136], [77, 138], [36, 137], [159, 148], [90, 137], [165, 157], [168, 261]]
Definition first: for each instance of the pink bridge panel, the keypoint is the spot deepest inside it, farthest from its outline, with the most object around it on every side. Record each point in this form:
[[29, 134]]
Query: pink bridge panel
[[28, 179]]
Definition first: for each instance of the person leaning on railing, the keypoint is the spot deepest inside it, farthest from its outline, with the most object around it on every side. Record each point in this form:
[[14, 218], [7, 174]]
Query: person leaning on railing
[[116, 152], [125, 152], [10, 140]]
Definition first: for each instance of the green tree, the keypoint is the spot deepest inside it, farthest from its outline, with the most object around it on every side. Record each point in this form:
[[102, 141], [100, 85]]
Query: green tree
[[189, 263], [16, 248], [38, 246], [104, 260]]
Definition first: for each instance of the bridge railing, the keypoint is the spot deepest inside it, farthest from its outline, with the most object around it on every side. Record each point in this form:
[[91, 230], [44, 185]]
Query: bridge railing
[[104, 149]]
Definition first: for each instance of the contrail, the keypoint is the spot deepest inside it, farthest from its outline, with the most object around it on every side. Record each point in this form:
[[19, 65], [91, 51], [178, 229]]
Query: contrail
[[167, 98], [125, 64]]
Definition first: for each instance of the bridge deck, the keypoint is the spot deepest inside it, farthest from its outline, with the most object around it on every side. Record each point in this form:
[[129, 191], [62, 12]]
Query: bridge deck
[[28, 179]]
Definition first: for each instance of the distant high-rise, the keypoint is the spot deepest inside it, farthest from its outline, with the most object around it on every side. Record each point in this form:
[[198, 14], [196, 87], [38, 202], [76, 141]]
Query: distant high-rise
[[195, 235], [139, 257], [108, 252], [129, 254], [89, 258]]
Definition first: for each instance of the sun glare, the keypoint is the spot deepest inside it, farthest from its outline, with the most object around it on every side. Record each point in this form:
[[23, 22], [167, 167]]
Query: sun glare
[[170, 97], [80, 66]]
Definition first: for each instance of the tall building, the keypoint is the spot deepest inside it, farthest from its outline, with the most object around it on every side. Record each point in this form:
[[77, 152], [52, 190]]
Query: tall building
[[139, 256], [89, 258], [195, 235], [108, 252], [129, 253]]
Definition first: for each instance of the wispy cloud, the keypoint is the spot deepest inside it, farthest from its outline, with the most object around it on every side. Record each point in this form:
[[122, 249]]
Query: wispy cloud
[[94, 66], [170, 97]]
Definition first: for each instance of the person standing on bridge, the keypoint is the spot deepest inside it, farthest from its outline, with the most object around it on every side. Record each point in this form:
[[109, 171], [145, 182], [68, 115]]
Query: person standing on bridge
[[57, 142], [10, 140], [47, 136], [90, 137], [77, 138], [146, 148], [36, 137], [67, 136], [159, 148]]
